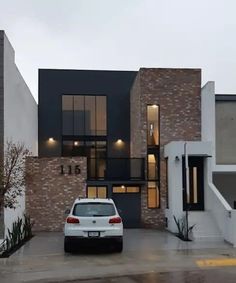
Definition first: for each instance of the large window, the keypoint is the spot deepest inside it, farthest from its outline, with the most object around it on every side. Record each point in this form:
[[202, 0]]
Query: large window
[[84, 115], [95, 151]]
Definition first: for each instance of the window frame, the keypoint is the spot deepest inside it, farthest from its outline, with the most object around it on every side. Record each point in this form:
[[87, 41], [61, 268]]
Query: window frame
[[97, 187], [154, 149], [84, 126]]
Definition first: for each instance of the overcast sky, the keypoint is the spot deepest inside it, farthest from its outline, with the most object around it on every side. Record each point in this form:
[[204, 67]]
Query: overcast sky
[[123, 35]]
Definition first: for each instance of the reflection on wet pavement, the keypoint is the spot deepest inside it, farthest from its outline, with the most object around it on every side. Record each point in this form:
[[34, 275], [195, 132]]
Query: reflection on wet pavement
[[206, 276]]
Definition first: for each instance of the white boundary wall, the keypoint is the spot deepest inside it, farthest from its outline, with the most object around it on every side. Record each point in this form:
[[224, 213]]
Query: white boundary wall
[[20, 117]]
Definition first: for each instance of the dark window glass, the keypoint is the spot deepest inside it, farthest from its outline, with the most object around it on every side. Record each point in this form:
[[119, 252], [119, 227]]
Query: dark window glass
[[67, 115], [79, 148], [84, 115], [90, 115], [101, 117], [67, 148], [101, 159], [94, 209], [91, 149], [79, 117]]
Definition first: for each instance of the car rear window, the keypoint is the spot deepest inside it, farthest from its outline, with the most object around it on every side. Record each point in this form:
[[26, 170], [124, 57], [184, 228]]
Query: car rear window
[[94, 209]]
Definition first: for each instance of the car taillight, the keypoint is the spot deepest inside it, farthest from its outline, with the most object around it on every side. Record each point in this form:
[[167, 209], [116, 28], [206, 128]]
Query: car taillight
[[72, 220], [115, 220]]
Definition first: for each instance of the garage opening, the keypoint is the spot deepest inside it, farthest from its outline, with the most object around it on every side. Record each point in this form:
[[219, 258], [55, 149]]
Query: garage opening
[[128, 201]]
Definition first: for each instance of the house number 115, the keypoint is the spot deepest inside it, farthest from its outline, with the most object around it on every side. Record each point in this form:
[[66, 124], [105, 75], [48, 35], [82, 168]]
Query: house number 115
[[70, 169]]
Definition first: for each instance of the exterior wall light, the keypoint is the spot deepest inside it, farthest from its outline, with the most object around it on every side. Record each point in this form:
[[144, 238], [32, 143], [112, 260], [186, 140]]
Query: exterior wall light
[[122, 187], [154, 106], [51, 140], [119, 141], [76, 143], [177, 158]]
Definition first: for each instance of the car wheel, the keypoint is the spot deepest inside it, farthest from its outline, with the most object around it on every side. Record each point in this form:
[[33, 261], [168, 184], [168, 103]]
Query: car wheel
[[119, 246], [67, 245]]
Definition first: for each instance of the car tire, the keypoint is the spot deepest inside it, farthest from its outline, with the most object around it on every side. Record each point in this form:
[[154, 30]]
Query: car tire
[[119, 246], [67, 245]]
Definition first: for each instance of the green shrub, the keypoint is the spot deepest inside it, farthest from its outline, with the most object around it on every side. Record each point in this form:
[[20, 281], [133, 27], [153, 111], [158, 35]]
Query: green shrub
[[183, 231], [20, 232]]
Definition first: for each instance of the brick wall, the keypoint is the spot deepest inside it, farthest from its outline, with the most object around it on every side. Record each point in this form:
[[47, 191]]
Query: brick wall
[[177, 92], [49, 193]]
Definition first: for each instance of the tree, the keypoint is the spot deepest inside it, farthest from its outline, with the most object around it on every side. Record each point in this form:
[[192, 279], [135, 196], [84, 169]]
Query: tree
[[12, 174]]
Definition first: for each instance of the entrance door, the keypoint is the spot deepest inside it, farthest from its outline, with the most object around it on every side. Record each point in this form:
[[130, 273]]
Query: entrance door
[[194, 198], [128, 202]]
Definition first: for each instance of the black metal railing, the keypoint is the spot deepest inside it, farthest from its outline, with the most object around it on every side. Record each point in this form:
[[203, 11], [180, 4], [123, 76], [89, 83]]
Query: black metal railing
[[123, 169]]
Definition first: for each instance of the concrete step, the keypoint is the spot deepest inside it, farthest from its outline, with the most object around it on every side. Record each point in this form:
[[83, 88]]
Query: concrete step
[[205, 226]]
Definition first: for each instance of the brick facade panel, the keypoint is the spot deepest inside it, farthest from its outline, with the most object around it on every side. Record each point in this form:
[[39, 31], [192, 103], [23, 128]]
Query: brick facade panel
[[49, 193], [178, 93]]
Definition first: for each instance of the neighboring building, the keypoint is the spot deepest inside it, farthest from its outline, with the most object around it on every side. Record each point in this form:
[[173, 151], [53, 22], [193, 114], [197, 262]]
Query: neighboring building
[[18, 114]]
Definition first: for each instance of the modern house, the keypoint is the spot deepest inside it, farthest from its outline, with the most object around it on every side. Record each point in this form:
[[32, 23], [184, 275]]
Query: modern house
[[155, 141], [102, 134], [18, 116]]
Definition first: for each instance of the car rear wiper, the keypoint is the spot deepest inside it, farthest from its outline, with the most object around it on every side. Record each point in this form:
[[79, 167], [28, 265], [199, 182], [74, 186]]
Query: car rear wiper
[[97, 215]]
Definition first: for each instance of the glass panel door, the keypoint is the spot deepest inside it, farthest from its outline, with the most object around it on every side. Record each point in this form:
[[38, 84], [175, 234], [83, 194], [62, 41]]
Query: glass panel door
[[193, 199]]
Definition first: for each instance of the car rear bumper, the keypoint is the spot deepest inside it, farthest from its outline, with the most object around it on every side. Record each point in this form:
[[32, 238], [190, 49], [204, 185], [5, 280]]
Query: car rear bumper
[[83, 232]]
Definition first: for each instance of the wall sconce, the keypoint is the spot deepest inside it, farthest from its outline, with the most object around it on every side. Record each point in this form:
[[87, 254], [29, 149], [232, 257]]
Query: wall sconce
[[119, 141], [76, 143], [51, 140], [177, 158]]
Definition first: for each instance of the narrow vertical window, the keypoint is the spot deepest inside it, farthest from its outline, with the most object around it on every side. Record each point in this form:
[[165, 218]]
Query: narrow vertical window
[[195, 198], [153, 195], [92, 192], [153, 125], [153, 156], [90, 116], [79, 117], [167, 185], [101, 117], [67, 115], [152, 167]]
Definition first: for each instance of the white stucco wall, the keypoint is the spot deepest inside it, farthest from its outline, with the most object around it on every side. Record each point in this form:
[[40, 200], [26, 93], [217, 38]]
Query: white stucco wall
[[208, 115], [174, 152], [20, 116]]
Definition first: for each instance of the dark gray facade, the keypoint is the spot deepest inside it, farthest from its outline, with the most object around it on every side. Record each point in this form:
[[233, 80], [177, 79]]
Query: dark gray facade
[[115, 85]]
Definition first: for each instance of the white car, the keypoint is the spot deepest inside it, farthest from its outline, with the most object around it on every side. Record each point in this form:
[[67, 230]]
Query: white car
[[93, 220]]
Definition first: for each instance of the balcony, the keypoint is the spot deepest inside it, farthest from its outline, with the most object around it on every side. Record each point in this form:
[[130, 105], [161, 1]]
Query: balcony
[[116, 169]]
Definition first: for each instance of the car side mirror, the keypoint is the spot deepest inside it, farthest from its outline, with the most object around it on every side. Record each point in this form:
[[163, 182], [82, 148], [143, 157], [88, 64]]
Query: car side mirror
[[67, 211]]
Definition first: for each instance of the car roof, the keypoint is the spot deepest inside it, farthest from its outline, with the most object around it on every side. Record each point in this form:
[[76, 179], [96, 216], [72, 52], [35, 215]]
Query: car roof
[[84, 200]]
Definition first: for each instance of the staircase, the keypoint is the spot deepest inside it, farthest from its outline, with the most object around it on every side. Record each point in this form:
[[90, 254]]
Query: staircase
[[205, 227]]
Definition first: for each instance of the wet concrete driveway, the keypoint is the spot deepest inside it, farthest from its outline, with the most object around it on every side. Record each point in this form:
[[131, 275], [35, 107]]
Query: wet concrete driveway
[[155, 253], [205, 276]]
